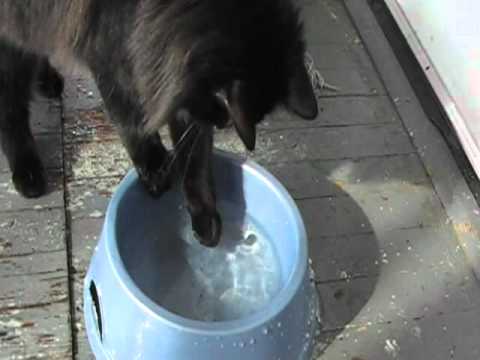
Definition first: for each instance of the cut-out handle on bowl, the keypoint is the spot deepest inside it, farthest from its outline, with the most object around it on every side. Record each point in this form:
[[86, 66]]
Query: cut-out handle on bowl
[[96, 309]]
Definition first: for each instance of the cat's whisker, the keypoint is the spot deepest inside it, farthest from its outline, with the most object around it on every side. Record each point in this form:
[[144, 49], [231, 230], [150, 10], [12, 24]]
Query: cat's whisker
[[192, 148], [186, 133], [179, 146]]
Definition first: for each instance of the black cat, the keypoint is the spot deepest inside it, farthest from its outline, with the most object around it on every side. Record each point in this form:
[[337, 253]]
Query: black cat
[[190, 64]]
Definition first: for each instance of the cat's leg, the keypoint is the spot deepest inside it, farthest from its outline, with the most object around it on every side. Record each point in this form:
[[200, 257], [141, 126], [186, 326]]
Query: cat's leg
[[195, 161], [148, 154], [151, 159], [48, 80], [17, 142]]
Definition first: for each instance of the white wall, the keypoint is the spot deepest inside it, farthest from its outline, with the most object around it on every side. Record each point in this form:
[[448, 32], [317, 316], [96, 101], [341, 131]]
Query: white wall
[[445, 37]]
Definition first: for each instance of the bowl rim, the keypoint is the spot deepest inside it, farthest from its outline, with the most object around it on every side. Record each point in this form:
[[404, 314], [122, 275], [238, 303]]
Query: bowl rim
[[222, 328]]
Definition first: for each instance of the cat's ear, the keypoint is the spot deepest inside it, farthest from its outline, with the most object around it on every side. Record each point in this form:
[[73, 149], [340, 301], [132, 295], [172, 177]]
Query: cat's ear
[[238, 108], [301, 98]]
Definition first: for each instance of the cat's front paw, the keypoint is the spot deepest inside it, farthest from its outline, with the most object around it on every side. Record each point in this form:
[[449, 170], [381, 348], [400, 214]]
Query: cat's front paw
[[156, 181], [29, 177], [207, 228]]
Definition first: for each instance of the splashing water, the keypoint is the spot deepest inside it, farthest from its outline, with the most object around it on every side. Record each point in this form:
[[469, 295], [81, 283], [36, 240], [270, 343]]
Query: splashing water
[[231, 281]]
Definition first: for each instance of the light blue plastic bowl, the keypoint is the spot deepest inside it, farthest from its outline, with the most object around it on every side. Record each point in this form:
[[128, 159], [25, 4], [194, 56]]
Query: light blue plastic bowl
[[123, 322]]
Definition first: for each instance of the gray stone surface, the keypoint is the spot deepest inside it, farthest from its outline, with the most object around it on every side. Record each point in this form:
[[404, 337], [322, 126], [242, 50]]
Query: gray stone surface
[[376, 186]]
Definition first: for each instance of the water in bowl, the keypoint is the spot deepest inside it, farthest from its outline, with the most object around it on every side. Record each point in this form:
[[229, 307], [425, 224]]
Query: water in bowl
[[231, 281]]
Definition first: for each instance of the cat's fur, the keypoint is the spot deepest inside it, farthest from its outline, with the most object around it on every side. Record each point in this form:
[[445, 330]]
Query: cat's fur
[[191, 64]]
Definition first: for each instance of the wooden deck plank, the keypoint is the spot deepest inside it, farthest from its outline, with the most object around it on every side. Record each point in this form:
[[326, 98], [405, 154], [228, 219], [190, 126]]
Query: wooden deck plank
[[419, 273], [336, 27], [352, 82], [34, 290], [88, 125], [96, 159], [80, 93], [88, 198], [85, 235], [45, 116], [454, 191], [36, 333], [32, 231], [439, 337], [83, 348], [322, 143], [50, 149], [341, 56], [109, 159], [374, 209], [31, 280], [310, 179], [11, 200], [337, 111]]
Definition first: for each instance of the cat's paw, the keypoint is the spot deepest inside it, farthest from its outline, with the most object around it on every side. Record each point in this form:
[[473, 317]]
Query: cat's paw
[[29, 177], [207, 228], [50, 81], [156, 181]]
